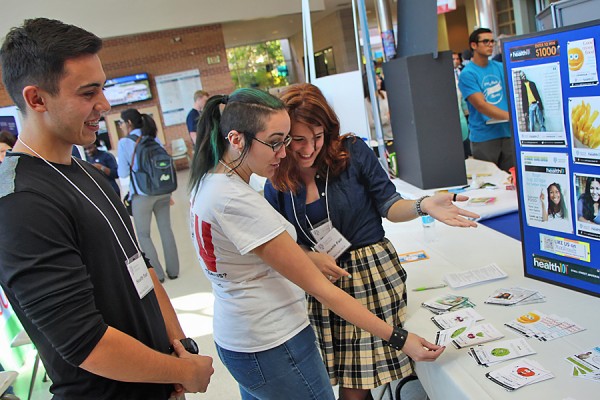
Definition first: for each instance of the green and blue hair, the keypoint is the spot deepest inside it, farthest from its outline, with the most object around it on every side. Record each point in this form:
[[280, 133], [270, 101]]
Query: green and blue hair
[[246, 111]]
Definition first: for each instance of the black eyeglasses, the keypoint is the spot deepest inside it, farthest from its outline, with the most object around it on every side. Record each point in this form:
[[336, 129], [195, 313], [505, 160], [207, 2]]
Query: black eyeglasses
[[487, 42], [278, 145]]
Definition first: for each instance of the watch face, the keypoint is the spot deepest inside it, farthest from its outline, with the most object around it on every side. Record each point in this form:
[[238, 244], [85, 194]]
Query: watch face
[[190, 345]]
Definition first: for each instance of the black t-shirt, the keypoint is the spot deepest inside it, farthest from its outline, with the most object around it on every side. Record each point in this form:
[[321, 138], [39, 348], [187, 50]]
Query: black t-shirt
[[64, 273]]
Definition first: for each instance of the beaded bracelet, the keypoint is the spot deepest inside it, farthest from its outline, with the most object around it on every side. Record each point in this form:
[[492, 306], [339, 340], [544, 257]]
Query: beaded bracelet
[[418, 209], [398, 338]]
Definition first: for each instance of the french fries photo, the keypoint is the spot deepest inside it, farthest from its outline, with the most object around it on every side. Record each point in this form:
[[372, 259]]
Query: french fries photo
[[582, 121]]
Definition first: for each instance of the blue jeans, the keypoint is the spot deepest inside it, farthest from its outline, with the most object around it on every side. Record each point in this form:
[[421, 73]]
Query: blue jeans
[[291, 371], [536, 116]]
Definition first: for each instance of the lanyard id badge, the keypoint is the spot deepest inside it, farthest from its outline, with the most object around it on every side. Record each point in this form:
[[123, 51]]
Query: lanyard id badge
[[333, 244], [140, 275], [321, 230]]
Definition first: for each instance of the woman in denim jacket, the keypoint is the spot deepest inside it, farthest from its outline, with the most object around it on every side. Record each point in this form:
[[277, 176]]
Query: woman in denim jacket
[[335, 193]]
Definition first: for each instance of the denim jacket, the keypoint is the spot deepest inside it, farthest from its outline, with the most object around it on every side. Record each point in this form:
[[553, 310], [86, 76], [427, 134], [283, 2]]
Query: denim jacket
[[358, 199]]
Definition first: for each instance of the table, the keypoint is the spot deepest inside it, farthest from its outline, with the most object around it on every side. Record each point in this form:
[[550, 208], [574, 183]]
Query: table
[[6, 379], [508, 224], [455, 375]]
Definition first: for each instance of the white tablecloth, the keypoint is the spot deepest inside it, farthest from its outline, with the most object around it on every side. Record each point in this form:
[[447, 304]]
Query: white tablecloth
[[455, 375]]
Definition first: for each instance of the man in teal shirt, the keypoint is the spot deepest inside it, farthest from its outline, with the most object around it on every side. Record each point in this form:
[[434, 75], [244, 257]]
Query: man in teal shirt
[[482, 84]]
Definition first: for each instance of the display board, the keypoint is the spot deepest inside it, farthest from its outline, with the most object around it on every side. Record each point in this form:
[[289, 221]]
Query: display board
[[554, 101], [176, 94]]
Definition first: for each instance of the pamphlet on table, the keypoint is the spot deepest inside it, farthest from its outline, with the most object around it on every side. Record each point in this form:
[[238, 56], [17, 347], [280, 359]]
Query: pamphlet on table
[[515, 296], [472, 277], [543, 327], [494, 353], [519, 373], [447, 303]]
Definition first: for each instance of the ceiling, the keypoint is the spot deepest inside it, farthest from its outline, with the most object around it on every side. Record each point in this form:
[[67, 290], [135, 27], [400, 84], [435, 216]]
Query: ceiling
[[243, 21], [238, 33]]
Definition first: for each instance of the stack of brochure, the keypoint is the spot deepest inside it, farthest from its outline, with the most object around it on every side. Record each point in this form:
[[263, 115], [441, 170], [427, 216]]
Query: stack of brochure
[[543, 327], [447, 303], [519, 373], [515, 296], [445, 336], [471, 277], [492, 354], [476, 335], [586, 364], [455, 318]]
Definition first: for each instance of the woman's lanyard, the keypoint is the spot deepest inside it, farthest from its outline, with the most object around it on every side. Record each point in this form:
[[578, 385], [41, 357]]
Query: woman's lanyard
[[326, 207], [90, 201]]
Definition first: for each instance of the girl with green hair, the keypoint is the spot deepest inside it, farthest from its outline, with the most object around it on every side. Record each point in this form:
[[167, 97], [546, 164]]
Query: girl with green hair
[[249, 253]]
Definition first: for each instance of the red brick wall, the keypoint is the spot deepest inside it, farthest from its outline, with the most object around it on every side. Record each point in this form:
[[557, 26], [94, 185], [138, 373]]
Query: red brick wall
[[160, 53]]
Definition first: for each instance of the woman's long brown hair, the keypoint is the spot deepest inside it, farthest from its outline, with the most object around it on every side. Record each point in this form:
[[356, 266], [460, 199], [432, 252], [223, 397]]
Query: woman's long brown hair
[[306, 105]]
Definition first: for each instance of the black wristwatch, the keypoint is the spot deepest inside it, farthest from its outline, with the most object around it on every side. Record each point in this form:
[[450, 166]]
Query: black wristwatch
[[188, 344]]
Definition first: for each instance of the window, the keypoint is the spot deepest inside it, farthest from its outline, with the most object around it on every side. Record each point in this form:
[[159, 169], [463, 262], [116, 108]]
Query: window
[[324, 62], [505, 17], [259, 65]]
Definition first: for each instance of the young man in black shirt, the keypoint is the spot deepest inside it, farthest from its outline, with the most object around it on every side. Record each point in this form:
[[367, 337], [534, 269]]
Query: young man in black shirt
[[101, 321]]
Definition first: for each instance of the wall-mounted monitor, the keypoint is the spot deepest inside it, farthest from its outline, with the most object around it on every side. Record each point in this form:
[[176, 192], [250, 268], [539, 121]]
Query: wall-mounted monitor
[[128, 89], [9, 123]]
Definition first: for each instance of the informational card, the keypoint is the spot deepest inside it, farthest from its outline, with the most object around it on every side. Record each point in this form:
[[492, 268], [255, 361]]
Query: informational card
[[586, 364], [476, 335], [519, 373], [481, 201], [582, 63], [577, 249], [585, 129], [543, 327], [446, 303], [445, 336], [539, 105], [509, 296], [587, 199], [472, 277], [412, 256], [454, 318], [491, 354], [546, 190]]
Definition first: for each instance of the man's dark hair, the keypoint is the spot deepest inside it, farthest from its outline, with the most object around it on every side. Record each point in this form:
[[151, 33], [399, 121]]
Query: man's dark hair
[[35, 54], [474, 36]]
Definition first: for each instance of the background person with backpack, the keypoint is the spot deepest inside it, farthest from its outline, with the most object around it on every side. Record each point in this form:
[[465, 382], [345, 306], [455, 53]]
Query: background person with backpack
[[144, 160]]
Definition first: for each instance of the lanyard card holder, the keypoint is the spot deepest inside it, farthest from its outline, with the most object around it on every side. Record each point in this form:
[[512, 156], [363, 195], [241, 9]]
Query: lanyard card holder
[[140, 275]]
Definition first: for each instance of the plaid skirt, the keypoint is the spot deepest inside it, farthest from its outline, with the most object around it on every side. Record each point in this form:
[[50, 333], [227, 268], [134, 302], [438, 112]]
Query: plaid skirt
[[354, 358]]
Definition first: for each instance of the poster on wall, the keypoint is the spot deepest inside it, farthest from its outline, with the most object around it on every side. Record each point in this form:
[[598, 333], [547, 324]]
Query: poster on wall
[[559, 196], [585, 129], [176, 94], [582, 63], [546, 190], [587, 199], [539, 105]]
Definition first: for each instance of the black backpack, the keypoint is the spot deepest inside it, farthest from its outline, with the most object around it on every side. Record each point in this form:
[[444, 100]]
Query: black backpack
[[155, 173]]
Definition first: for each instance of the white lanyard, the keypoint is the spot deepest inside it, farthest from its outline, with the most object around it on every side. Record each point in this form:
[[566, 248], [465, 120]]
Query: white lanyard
[[90, 201], [326, 207]]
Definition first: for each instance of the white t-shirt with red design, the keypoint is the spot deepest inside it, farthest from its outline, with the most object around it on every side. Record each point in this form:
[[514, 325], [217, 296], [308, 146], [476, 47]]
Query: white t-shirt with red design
[[256, 308]]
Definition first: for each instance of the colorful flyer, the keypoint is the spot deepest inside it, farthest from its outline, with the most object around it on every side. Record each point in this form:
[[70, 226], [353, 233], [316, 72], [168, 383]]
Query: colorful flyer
[[518, 374], [582, 63], [412, 256], [490, 354], [587, 200], [585, 129], [478, 334], [565, 247], [539, 105], [546, 190]]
